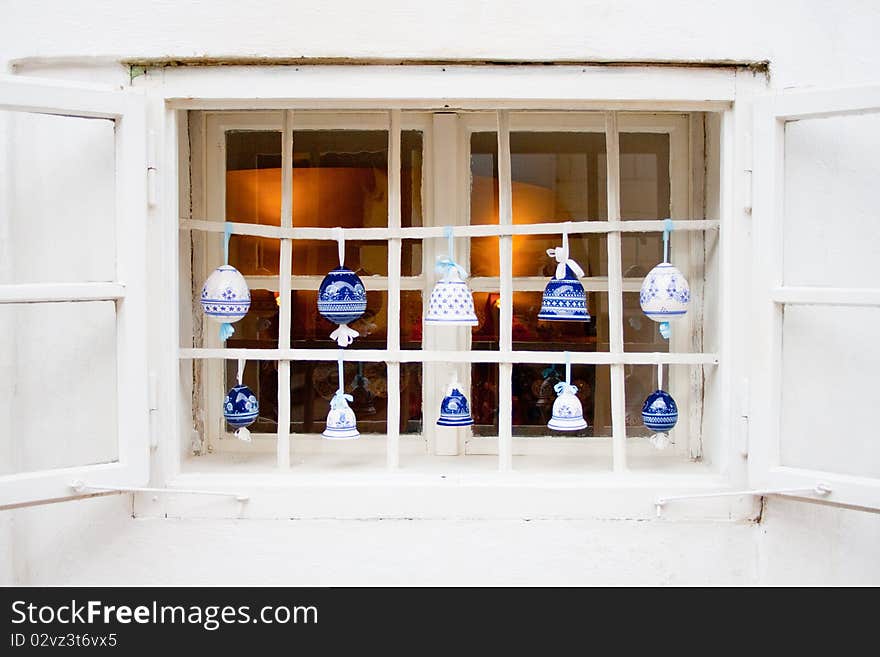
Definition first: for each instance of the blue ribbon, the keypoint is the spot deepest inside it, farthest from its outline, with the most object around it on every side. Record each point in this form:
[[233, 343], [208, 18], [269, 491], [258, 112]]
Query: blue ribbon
[[227, 233], [565, 386], [340, 400], [665, 330], [447, 263], [667, 231]]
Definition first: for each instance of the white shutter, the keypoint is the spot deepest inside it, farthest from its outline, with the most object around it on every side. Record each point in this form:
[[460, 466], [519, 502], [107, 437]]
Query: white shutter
[[72, 289], [815, 312]]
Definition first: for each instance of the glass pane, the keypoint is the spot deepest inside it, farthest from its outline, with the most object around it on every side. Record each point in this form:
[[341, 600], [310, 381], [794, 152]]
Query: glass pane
[[533, 397], [484, 202], [259, 328], [484, 336], [309, 330], [532, 334], [58, 385], [640, 333], [644, 175], [261, 376], [313, 384], [411, 319], [831, 176], [829, 365], [640, 253], [411, 158], [253, 196], [59, 200], [340, 178], [556, 178]]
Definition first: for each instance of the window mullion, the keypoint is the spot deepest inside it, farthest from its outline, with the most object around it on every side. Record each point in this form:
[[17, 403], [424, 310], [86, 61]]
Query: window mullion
[[615, 295], [285, 269], [505, 245], [392, 372]]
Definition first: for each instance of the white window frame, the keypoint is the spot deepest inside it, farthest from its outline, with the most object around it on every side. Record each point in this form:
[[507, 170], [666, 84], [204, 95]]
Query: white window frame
[[771, 295], [722, 91], [127, 291]]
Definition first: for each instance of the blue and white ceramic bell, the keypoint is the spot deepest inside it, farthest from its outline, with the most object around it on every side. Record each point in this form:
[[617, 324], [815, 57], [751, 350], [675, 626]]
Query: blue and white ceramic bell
[[660, 415], [226, 298], [241, 408], [565, 299], [665, 293], [568, 414], [341, 297], [341, 421], [451, 302], [454, 410]]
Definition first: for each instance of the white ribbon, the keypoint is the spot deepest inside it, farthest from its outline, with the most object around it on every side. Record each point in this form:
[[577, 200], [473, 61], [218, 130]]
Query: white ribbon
[[561, 253], [339, 236]]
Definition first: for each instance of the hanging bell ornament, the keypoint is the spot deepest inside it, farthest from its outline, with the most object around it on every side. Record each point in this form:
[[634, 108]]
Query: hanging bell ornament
[[451, 302], [225, 296], [341, 421], [568, 414], [565, 299], [660, 415], [454, 409]]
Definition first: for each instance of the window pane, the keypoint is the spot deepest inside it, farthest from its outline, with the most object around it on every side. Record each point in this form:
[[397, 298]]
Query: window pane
[[828, 407], [533, 396], [59, 200], [313, 384], [533, 334], [59, 385], [411, 319], [253, 196], [644, 175], [830, 223], [411, 171], [484, 336], [641, 333], [484, 202], [640, 253]]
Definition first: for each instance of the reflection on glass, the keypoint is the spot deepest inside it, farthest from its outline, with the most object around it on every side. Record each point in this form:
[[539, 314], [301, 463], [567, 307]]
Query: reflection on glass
[[340, 178], [556, 177], [533, 397], [640, 333], [314, 383], [253, 196], [411, 319]]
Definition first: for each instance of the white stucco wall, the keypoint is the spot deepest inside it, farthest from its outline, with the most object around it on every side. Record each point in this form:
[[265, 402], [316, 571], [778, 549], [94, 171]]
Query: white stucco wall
[[808, 44]]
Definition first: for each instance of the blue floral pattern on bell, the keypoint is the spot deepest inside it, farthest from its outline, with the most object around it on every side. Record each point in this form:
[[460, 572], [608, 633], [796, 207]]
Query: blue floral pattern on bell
[[665, 293], [451, 302], [568, 413], [225, 297], [454, 409], [660, 415], [342, 299]]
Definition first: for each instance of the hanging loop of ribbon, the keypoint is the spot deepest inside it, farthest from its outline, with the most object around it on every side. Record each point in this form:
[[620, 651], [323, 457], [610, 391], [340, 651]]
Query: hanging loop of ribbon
[[561, 254], [226, 329], [340, 398], [241, 364], [339, 236], [566, 386], [667, 231], [446, 264]]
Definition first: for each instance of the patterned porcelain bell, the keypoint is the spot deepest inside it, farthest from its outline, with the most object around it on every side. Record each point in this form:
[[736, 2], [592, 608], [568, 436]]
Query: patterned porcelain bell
[[241, 408], [451, 302], [568, 414], [341, 421], [665, 293], [565, 299], [225, 296], [454, 410], [342, 298], [660, 414]]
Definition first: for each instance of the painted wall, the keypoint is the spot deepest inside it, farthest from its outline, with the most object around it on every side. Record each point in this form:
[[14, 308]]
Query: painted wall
[[807, 44]]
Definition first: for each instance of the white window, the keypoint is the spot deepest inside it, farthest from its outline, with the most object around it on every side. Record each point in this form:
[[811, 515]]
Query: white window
[[72, 289], [393, 180]]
